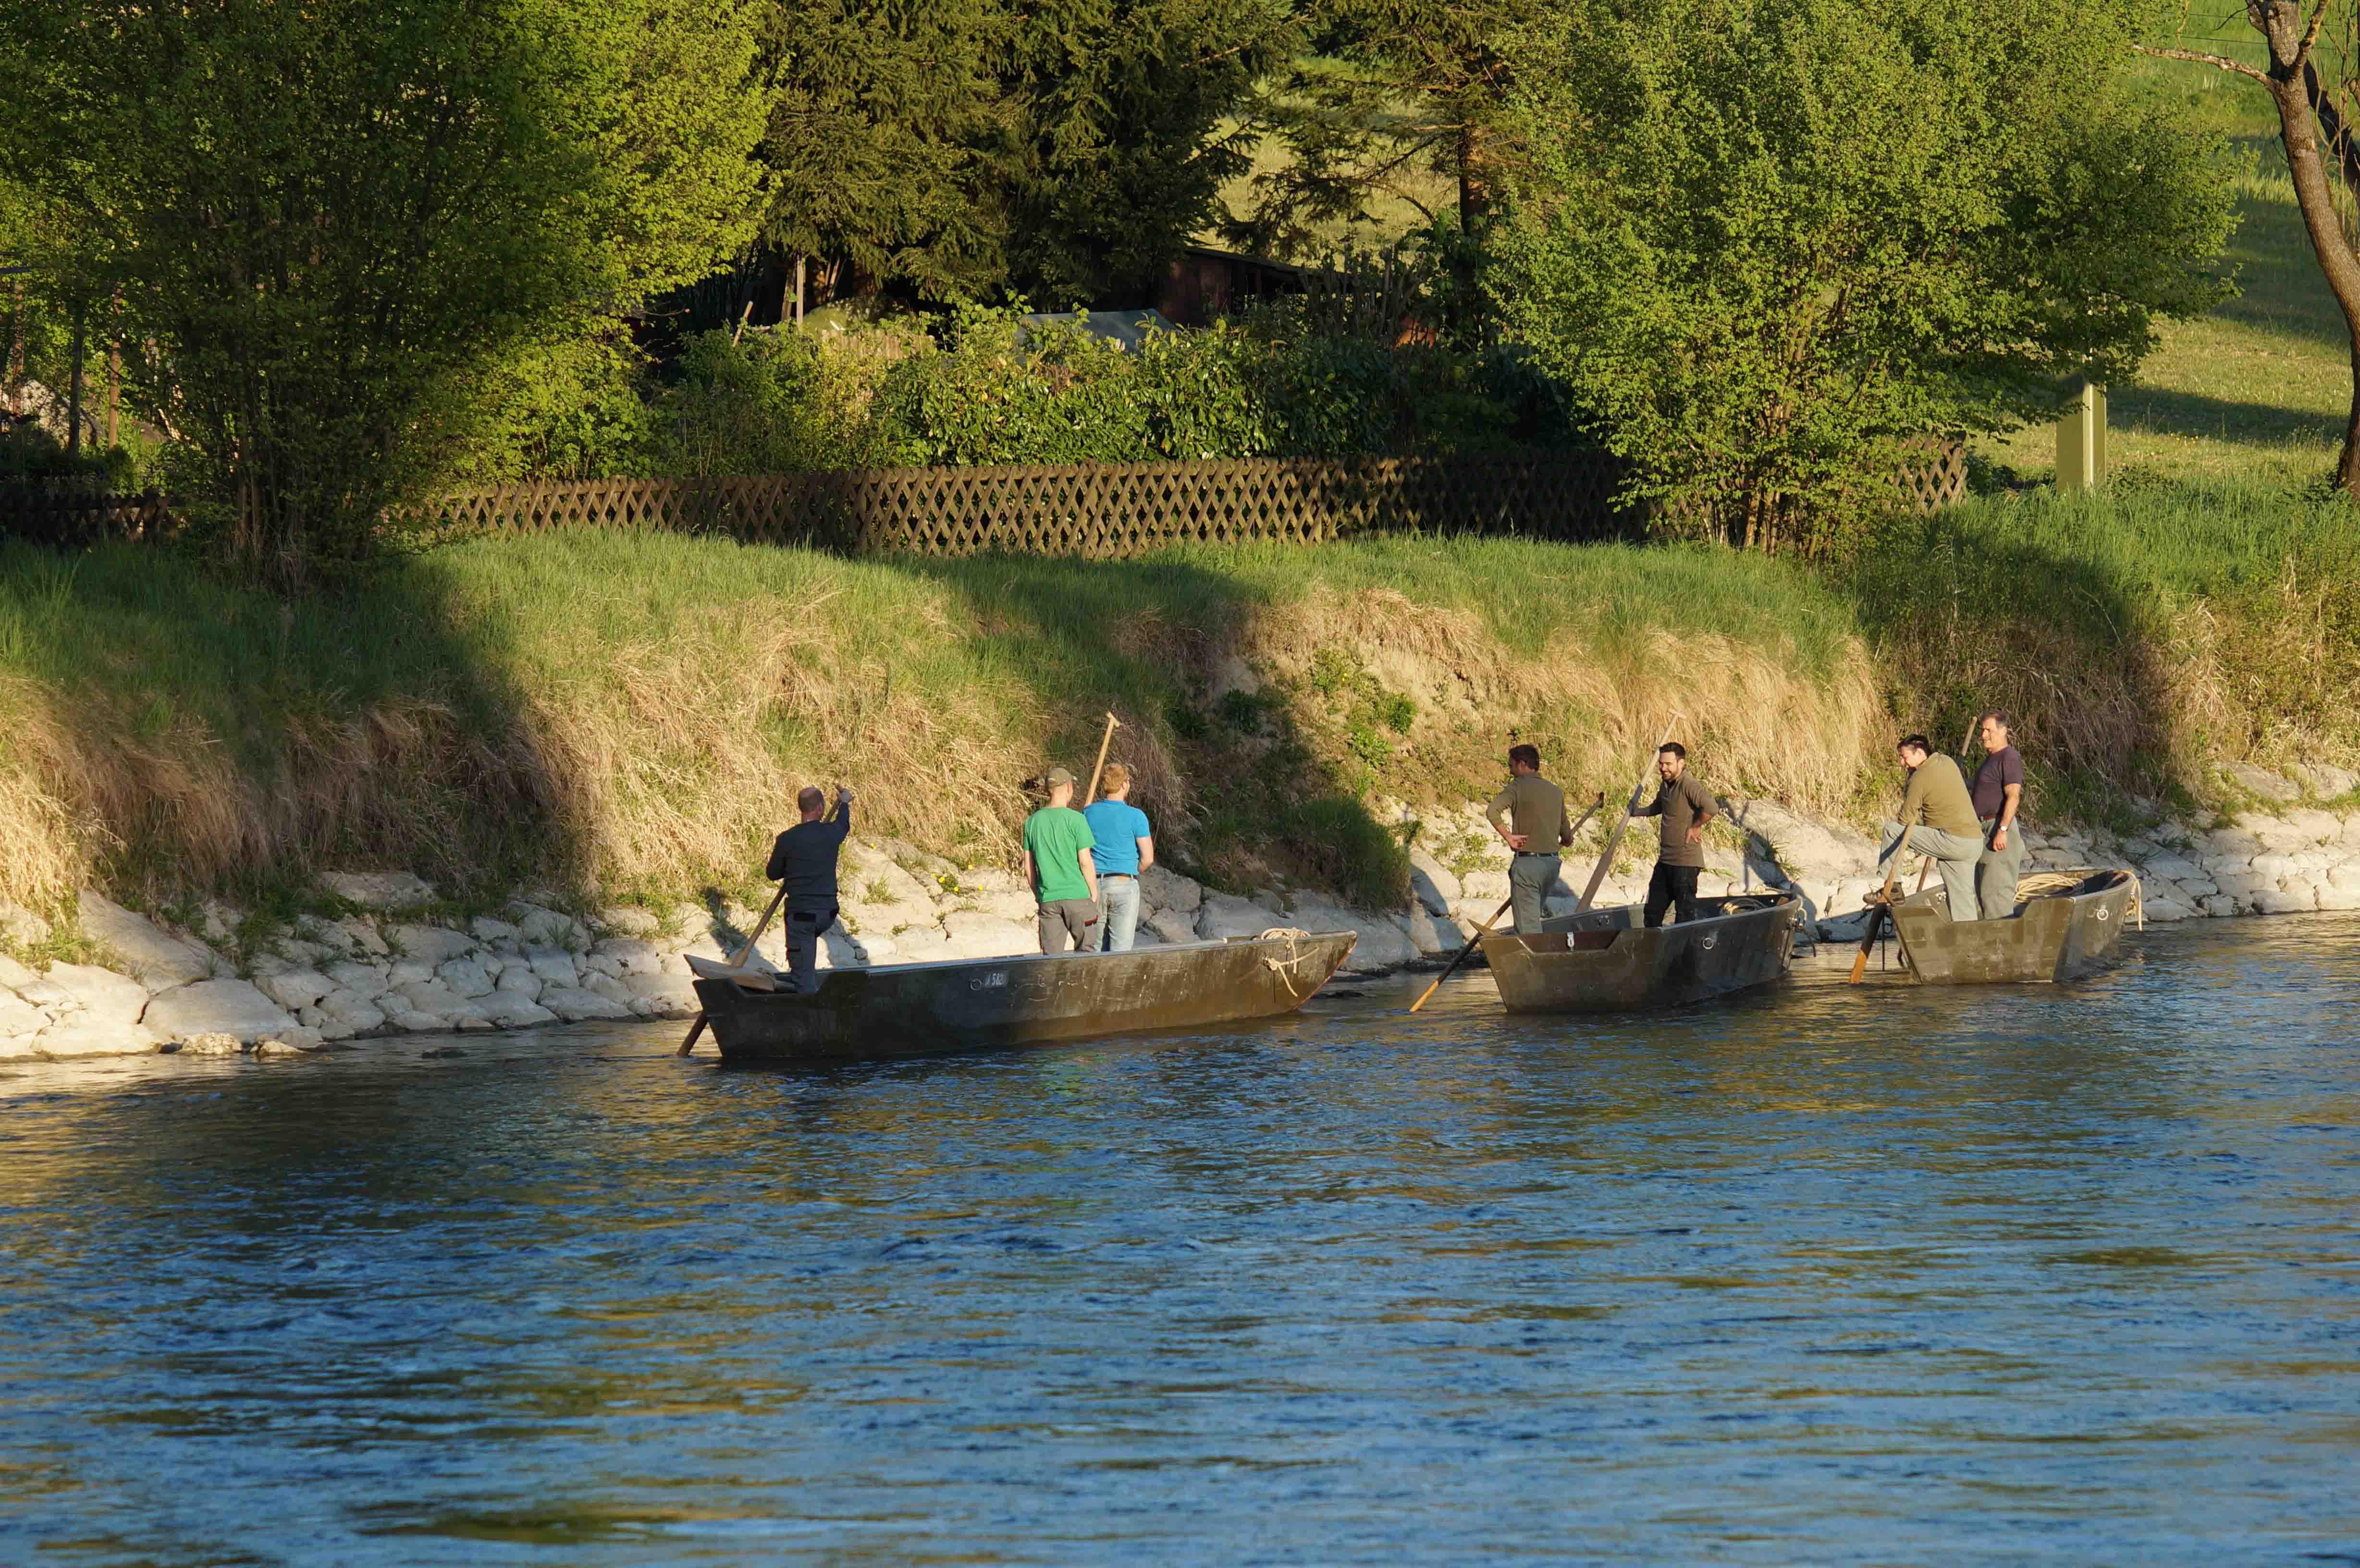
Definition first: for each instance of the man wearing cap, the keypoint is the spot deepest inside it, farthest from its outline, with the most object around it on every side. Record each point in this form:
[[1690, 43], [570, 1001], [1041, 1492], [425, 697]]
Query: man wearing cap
[[805, 858], [1121, 846], [1937, 818], [1058, 866], [1529, 816]]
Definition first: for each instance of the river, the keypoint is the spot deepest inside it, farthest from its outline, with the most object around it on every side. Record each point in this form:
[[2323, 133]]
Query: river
[[1829, 1276]]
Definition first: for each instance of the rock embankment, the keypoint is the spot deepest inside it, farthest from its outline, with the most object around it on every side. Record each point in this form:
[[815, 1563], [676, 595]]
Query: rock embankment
[[387, 965]]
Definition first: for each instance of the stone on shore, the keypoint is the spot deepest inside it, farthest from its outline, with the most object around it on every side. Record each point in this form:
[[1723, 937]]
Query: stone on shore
[[431, 945], [1160, 888], [296, 989], [217, 1006], [574, 1003], [2263, 782], [1432, 884], [378, 889], [103, 997], [154, 957], [976, 933], [1224, 915]]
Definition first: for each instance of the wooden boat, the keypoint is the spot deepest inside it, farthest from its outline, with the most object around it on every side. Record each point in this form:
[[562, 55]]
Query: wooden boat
[[916, 1009], [2052, 936], [1602, 961]]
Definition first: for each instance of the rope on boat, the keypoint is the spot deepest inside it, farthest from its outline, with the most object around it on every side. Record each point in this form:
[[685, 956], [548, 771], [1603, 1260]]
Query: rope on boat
[[1294, 936], [2051, 884]]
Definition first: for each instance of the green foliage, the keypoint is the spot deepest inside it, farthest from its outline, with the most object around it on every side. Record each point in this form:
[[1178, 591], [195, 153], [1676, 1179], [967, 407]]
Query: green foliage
[[331, 225], [1761, 242], [1349, 850]]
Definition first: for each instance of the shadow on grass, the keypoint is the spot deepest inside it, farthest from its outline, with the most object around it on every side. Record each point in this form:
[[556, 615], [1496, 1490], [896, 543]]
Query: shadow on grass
[[238, 745], [1230, 769], [2163, 412]]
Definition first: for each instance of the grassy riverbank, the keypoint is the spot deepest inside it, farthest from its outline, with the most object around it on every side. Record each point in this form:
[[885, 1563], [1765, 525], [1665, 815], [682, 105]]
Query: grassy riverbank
[[625, 713]]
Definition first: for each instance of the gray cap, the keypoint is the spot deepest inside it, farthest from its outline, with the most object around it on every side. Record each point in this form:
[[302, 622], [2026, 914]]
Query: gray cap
[[1056, 776]]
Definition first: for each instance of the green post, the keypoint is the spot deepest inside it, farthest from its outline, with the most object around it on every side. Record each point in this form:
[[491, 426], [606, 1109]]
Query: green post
[[2081, 438]]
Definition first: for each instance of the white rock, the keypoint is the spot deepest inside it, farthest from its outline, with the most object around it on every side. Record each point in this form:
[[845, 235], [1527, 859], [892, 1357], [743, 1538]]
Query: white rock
[[19, 1016], [1431, 882], [975, 933], [2275, 868], [631, 955], [495, 933], [1171, 925], [517, 975], [2332, 896], [13, 973], [1431, 936], [1163, 889], [514, 1010], [353, 1010], [295, 988], [362, 936], [629, 921], [294, 1042], [1223, 916], [466, 977], [408, 972], [159, 960], [672, 992], [2298, 898], [217, 1006], [553, 966], [78, 1036], [2262, 782], [606, 985], [865, 872], [2221, 906], [19, 924], [1382, 945], [572, 1002], [378, 889], [368, 979], [418, 1023], [431, 945], [429, 996], [2164, 911], [547, 928], [1483, 886], [2324, 779], [106, 999], [211, 1045]]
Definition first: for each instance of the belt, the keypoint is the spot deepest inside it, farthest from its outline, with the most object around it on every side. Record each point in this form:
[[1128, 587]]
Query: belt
[[1538, 854], [1126, 876]]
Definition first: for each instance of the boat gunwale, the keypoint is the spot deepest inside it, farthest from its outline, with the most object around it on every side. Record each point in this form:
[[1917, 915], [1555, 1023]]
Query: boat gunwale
[[1200, 945]]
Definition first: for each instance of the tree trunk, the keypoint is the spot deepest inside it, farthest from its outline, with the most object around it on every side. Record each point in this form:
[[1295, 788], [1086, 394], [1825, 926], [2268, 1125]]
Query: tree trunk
[[2281, 23]]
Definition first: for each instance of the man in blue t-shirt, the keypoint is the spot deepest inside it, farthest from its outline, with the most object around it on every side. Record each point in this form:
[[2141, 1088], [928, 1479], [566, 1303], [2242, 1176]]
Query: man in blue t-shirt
[[1122, 846]]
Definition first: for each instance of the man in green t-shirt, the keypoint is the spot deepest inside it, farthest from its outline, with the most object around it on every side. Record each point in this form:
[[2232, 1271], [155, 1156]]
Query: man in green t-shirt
[[1057, 863]]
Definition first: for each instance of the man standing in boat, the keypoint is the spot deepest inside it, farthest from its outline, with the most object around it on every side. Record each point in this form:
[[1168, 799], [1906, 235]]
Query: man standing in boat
[[1937, 818], [1121, 846], [1529, 816], [1684, 806], [805, 858], [1999, 793], [1063, 878]]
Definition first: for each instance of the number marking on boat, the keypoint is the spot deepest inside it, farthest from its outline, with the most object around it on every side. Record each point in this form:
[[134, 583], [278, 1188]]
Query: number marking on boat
[[995, 981]]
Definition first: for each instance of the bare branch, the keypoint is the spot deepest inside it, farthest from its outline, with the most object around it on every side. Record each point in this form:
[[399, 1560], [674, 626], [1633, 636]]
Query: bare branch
[[2311, 34], [2221, 61]]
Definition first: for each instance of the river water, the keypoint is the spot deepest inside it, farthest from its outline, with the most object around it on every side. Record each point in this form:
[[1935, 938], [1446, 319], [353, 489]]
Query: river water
[[1831, 1275]]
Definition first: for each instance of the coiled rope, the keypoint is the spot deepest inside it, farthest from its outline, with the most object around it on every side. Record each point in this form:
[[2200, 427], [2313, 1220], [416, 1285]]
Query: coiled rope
[[1294, 936], [2056, 884]]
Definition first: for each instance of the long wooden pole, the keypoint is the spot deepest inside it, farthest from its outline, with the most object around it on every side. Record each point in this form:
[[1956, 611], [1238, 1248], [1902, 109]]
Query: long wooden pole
[[1485, 929], [1113, 725], [1614, 839], [744, 953]]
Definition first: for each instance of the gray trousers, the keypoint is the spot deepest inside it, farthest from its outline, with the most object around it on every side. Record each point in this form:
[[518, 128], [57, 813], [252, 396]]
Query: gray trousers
[[805, 928], [1954, 855], [1997, 871], [1068, 922], [1530, 876]]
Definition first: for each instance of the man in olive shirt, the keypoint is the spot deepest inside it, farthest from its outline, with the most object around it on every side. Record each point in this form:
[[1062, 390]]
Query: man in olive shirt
[[1535, 828], [1938, 820], [1058, 864], [1998, 792], [1684, 807]]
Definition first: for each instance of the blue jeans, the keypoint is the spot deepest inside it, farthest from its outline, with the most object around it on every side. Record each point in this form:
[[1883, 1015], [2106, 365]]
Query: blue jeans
[[1119, 918]]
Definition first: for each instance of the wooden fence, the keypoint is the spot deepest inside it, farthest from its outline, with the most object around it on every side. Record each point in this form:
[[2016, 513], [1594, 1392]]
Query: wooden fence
[[1102, 511]]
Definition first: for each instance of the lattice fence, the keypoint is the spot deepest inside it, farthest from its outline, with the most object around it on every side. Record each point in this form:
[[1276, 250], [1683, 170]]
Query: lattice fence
[[1106, 511]]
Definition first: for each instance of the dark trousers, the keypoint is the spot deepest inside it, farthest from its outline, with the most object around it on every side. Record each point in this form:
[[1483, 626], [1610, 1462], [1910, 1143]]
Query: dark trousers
[[805, 928], [1672, 887]]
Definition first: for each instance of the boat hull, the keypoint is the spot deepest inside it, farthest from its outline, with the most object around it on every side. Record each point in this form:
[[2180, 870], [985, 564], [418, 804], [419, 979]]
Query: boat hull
[[920, 1009], [1606, 961], [2060, 937]]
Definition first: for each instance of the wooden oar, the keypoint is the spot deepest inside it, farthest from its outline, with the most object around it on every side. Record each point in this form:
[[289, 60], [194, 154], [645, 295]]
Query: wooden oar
[[1614, 839], [1485, 929], [1883, 910], [744, 953], [1113, 725]]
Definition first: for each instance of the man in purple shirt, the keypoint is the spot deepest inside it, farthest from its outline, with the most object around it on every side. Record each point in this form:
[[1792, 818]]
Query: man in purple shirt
[[1999, 793]]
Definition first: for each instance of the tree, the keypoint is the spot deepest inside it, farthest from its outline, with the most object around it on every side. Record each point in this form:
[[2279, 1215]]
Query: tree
[[890, 141], [1131, 126], [1394, 85], [2311, 110], [1762, 243], [330, 223]]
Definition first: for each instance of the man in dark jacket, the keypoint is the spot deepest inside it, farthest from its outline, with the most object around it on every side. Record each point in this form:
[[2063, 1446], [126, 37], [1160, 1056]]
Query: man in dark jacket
[[805, 858], [1684, 806]]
